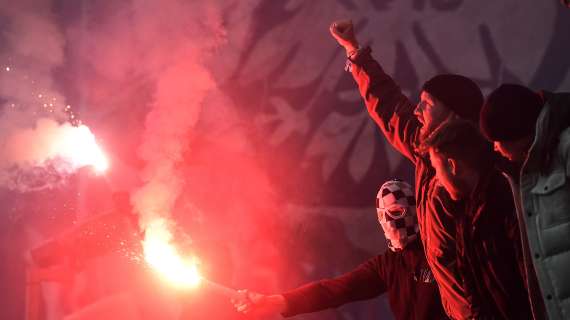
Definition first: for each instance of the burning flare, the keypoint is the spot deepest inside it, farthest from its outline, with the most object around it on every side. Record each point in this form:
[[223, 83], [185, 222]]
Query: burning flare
[[80, 147], [74, 145], [163, 256]]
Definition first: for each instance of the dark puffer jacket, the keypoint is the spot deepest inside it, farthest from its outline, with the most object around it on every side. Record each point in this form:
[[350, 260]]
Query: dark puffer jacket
[[542, 197]]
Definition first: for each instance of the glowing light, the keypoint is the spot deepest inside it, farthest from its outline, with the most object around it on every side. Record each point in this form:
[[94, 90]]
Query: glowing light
[[8, 69], [78, 145], [164, 258]]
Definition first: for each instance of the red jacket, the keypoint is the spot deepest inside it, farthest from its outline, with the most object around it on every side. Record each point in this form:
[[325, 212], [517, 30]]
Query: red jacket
[[393, 113]]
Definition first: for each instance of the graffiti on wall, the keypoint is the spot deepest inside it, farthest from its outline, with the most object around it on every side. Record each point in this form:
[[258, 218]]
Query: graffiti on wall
[[305, 109]]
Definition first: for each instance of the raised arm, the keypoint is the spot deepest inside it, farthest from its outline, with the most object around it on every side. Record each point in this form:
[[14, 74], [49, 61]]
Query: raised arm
[[387, 105]]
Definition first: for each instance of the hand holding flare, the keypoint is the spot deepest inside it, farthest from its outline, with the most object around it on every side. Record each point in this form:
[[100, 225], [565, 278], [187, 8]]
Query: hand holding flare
[[258, 304]]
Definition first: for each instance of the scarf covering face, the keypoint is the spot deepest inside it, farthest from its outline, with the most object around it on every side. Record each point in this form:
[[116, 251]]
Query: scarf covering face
[[396, 209]]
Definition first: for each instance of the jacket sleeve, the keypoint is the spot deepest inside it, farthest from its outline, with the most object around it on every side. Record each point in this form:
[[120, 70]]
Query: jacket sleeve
[[387, 105], [365, 282]]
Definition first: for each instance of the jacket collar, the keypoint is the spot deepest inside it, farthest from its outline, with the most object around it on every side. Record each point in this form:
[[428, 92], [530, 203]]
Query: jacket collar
[[552, 120]]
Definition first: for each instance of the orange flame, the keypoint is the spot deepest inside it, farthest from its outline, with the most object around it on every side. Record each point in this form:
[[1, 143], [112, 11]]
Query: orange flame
[[163, 256]]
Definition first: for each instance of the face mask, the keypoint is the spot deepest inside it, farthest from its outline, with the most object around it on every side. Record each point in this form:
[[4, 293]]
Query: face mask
[[396, 209]]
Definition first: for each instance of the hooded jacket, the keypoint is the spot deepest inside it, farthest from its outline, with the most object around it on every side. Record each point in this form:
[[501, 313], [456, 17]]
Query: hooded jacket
[[542, 196]]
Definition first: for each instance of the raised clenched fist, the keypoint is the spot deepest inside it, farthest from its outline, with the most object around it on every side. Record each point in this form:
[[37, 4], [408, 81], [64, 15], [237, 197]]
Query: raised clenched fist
[[343, 32]]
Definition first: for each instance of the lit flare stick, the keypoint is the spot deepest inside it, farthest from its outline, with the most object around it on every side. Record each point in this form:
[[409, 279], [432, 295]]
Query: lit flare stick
[[79, 145], [220, 289], [182, 272], [75, 144]]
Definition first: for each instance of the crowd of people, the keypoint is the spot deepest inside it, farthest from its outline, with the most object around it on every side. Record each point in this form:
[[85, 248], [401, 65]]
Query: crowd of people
[[484, 234]]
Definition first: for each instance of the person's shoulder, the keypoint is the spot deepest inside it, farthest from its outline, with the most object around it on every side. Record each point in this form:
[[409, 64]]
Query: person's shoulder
[[441, 199], [564, 144], [556, 102], [380, 261], [499, 181], [499, 194], [562, 96], [565, 134], [390, 256]]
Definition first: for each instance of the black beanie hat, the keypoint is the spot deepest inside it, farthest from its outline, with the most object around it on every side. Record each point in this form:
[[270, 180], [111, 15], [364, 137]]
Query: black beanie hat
[[510, 113], [458, 93]]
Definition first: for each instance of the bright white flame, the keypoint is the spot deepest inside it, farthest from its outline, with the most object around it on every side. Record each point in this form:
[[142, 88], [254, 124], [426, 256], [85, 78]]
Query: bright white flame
[[162, 255], [81, 148], [50, 140]]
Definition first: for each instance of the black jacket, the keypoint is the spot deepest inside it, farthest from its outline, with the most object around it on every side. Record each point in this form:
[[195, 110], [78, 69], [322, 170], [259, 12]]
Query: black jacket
[[404, 275], [489, 251]]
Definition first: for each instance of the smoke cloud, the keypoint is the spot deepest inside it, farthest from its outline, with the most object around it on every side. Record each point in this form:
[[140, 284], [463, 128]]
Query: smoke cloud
[[172, 47], [165, 42], [144, 76], [37, 138]]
